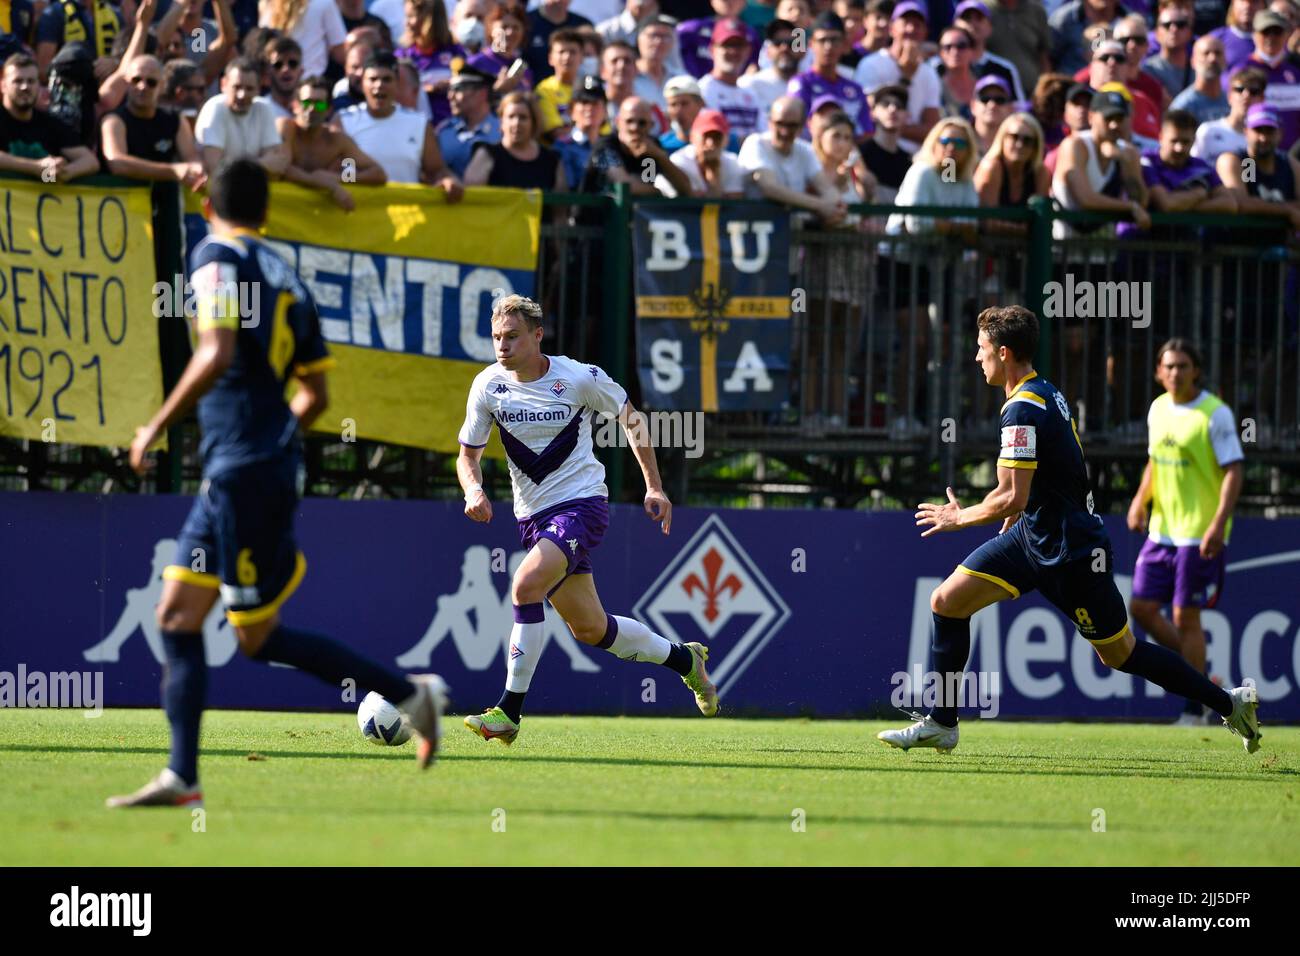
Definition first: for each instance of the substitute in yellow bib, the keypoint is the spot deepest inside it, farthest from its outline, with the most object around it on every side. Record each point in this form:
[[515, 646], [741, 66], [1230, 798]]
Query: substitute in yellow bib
[[1191, 483]]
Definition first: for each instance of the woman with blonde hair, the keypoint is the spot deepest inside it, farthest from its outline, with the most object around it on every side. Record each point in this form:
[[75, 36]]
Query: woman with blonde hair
[[1012, 172], [317, 25], [519, 160], [942, 174], [427, 42]]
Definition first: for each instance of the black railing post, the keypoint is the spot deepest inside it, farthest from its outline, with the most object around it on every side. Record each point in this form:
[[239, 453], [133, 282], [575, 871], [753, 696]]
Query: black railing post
[[1037, 274]]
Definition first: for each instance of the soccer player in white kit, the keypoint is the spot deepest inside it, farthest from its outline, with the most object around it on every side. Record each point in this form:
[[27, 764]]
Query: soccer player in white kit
[[543, 406]]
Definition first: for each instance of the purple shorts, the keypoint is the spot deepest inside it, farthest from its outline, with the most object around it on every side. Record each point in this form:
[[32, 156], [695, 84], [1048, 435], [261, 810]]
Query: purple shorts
[[1178, 575], [576, 527]]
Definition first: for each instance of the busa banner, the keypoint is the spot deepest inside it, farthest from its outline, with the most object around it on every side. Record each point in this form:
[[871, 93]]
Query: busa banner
[[404, 285], [713, 306], [824, 613], [78, 345]]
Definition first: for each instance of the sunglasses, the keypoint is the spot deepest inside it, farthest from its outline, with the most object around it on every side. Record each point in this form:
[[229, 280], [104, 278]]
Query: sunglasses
[[786, 43], [1252, 90], [1111, 58], [285, 64], [1176, 24], [956, 142], [948, 47], [1273, 32], [1132, 39], [148, 81], [787, 124], [891, 104], [320, 106], [1024, 139], [994, 98]]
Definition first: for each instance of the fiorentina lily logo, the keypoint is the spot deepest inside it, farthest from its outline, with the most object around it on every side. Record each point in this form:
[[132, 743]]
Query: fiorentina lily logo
[[712, 592]]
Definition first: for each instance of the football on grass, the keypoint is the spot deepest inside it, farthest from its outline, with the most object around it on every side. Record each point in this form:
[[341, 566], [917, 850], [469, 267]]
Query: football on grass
[[382, 723]]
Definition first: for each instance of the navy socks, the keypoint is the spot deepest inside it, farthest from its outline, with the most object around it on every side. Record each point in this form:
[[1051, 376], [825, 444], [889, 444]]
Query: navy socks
[[333, 662], [184, 692], [1164, 668], [951, 650]]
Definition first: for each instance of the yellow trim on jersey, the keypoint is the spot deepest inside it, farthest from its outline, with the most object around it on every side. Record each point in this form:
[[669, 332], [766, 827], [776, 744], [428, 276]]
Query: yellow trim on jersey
[[217, 322], [1009, 463], [174, 572], [1015, 593], [323, 364], [256, 615], [1110, 640]]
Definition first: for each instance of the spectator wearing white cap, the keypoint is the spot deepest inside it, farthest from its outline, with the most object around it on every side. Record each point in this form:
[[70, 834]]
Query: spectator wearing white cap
[[783, 168], [714, 173], [731, 53], [901, 63], [828, 41], [770, 83]]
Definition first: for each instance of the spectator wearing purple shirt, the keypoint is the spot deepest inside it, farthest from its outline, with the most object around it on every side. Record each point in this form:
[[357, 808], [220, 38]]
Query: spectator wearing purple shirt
[[507, 29], [1282, 70], [428, 44], [824, 79], [1176, 180], [695, 38], [1236, 35]]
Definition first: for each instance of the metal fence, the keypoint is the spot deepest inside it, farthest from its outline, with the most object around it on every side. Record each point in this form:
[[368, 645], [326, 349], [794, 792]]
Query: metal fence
[[886, 399]]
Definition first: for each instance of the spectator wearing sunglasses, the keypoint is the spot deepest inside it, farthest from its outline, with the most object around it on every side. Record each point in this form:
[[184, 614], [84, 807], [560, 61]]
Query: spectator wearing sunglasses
[[824, 79], [319, 155], [141, 140], [283, 58], [184, 89], [1012, 171], [781, 167], [629, 153], [317, 26], [1281, 71], [1173, 66], [974, 17], [901, 63], [1205, 98], [1110, 65], [954, 68], [1070, 22], [1228, 135], [883, 154], [771, 83], [1237, 33], [990, 105]]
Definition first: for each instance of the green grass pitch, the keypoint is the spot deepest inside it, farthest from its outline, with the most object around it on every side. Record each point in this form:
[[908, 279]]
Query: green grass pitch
[[307, 789]]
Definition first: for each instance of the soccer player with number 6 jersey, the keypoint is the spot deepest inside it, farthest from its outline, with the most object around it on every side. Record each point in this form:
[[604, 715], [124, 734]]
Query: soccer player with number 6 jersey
[[1051, 540]]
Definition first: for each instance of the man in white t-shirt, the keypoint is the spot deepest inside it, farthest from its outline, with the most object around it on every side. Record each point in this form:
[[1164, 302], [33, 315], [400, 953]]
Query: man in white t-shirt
[[784, 169], [320, 32], [398, 139], [720, 88], [901, 63], [771, 83], [712, 170], [234, 125]]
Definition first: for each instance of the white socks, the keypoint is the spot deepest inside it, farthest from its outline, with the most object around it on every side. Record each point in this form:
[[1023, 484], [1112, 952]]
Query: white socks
[[526, 640], [634, 641]]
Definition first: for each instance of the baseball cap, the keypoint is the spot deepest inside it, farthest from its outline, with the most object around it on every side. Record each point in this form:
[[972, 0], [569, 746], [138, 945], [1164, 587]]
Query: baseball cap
[[826, 99], [1261, 114], [890, 89], [469, 75], [828, 21], [1079, 89], [711, 121], [729, 29], [970, 5], [993, 80], [682, 85], [1269, 18], [1109, 101], [590, 90], [658, 19], [777, 26], [910, 6]]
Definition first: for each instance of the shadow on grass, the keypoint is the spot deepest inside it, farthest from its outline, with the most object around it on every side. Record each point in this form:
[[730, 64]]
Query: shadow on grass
[[904, 764]]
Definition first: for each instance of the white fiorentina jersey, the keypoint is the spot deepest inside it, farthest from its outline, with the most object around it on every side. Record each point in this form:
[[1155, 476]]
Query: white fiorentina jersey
[[546, 429]]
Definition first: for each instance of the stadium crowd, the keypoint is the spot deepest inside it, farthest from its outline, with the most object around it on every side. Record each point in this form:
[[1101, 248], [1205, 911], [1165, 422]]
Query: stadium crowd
[[1147, 105]]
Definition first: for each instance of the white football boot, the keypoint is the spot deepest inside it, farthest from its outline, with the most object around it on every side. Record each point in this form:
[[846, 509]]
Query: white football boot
[[165, 790], [1243, 721], [425, 708], [926, 732]]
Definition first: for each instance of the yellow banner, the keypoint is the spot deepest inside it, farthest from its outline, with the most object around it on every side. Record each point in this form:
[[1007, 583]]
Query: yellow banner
[[78, 336], [404, 285]]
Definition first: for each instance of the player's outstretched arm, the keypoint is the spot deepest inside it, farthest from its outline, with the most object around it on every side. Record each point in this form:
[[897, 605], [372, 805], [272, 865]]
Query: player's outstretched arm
[[1005, 501], [470, 472], [657, 505], [213, 356]]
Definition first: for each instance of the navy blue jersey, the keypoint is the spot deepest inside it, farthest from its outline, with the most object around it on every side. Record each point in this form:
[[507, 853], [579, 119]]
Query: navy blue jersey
[[240, 283], [1038, 433]]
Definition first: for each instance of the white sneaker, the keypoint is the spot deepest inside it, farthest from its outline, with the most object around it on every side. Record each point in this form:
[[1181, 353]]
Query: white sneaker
[[165, 790], [1243, 720], [926, 732], [425, 709]]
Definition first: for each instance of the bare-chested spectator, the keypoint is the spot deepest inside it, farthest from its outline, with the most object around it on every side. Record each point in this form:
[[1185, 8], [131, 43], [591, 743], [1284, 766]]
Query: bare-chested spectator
[[320, 156]]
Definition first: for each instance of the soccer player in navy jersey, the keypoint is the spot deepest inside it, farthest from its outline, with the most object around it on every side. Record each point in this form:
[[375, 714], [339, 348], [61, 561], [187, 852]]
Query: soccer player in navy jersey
[[257, 326], [1051, 540], [543, 407]]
